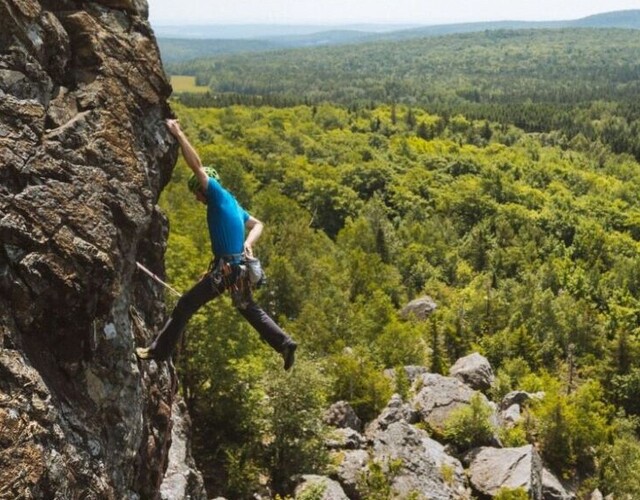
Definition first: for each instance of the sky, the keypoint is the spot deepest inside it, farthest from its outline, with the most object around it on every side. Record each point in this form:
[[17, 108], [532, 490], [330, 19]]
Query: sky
[[426, 12]]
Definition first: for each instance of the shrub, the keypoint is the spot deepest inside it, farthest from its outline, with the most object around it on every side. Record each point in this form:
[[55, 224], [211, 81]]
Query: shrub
[[470, 426], [376, 482], [511, 494]]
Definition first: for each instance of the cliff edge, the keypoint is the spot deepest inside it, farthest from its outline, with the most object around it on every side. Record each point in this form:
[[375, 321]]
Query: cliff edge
[[84, 155]]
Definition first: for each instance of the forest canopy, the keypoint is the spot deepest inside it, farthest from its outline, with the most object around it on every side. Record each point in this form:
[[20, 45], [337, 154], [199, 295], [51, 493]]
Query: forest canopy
[[495, 172]]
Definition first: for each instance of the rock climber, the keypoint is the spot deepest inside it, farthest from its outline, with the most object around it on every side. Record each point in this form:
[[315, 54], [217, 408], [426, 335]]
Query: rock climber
[[227, 222]]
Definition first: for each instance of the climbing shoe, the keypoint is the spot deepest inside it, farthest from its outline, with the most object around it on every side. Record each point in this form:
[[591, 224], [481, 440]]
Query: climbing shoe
[[144, 353], [289, 355]]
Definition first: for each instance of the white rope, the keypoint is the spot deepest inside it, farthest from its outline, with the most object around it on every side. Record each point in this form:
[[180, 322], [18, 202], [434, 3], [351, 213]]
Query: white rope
[[167, 286]]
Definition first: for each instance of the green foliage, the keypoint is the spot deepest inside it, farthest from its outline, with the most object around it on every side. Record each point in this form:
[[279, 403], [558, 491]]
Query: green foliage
[[570, 427], [293, 442], [621, 462], [625, 391], [402, 382], [509, 377], [312, 492], [538, 80], [470, 426], [527, 244], [360, 382], [376, 481], [513, 437], [511, 494], [448, 473]]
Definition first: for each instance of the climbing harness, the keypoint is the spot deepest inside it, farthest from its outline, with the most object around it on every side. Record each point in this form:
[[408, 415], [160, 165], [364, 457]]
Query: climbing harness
[[237, 273]]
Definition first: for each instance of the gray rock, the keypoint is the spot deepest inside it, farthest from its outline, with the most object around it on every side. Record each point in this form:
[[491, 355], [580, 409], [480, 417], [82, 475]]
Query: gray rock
[[84, 157], [553, 489], [491, 469], [510, 416], [437, 397], [412, 372], [341, 414], [424, 467], [395, 411], [474, 370], [320, 488], [350, 465], [181, 479], [420, 308], [345, 438], [596, 495], [514, 398]]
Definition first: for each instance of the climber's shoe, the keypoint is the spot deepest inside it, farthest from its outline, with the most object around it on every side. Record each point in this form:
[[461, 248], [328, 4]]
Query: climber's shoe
[[289, 354], [144, 353]]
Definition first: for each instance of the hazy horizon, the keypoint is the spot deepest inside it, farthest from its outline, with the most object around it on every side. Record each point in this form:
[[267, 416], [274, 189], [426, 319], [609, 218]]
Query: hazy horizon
[[373, 12]]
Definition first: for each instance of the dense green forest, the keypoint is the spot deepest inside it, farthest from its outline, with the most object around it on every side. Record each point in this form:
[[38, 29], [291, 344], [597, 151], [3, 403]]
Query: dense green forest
[[539, 80], [514, 204]]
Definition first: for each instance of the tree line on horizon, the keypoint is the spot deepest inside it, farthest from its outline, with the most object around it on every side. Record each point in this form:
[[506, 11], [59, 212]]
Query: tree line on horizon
[[581, 83]]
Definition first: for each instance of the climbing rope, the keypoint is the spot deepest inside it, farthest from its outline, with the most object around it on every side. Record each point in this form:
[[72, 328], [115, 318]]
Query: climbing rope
[[166, 285]]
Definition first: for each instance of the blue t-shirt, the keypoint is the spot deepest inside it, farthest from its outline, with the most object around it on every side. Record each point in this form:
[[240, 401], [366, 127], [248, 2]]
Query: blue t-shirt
[[226, 220]]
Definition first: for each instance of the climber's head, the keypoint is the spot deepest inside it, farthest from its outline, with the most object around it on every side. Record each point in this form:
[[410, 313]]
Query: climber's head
[[194, 184]]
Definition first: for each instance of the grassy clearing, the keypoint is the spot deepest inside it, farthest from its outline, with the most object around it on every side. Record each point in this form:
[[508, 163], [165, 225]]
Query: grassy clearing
[[181, 83]]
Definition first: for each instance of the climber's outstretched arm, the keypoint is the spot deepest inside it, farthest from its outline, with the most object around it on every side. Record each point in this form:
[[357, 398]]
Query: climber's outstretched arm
[[190, 155], [255, 230]]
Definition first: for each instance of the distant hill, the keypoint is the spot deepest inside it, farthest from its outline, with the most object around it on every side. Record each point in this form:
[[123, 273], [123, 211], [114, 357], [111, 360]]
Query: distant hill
[[629, 19], [183, 49], [183, 43], [266, 31], [624, 19]]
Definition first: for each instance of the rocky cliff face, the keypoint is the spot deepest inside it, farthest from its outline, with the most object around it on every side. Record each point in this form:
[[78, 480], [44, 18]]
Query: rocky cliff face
[[84, 155]]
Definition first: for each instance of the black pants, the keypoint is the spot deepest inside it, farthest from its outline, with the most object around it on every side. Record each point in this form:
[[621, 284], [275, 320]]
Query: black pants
[[209, 287]]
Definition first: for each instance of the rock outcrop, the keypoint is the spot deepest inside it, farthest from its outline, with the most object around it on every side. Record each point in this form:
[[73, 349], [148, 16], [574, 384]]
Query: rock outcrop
[[419, 309], [398, 458], [320, 488], [474, 370], [181, 479], [341, 415], [492, 469], [425, 469], [83, 158], [413, 463], [553, 489], [439, 397]]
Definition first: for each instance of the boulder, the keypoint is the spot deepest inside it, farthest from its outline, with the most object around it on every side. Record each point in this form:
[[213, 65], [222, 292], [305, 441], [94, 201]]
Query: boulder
[[320, 488], [553, 489], [491, 469], [420, 308], [349, 468], [596, 495], [181, 479], [345, 438], [412, 372], [341, 414], [510, 416], [437, 397], [395, 411], [514, 398], [474, 370], [422, 466]]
